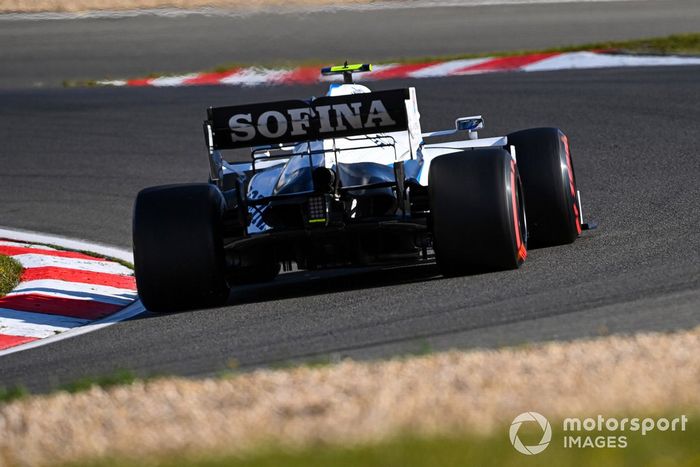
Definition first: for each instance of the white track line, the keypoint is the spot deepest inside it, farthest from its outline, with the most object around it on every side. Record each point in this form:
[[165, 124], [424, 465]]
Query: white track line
[[251, 77], [64, 242], [33, 260], [587, 60], [447, 68], [136, 308], [169, 81], [94, 291], [40, 325]]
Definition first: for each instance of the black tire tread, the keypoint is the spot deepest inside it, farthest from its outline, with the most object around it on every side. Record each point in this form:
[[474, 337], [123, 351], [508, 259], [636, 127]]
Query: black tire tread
[[549, 205], [178, 253], [471, 212]]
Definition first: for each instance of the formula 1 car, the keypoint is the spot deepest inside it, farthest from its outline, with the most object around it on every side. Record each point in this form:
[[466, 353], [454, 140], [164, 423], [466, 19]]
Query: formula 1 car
[[350, 179]]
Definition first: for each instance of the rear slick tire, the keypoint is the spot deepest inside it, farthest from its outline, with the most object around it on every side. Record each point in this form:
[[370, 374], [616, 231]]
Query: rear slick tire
[[477, 212], [178, 249], [549, 184]]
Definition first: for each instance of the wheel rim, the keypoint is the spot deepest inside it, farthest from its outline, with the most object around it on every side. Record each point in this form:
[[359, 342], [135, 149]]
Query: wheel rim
[[519, 220], [571, 182]]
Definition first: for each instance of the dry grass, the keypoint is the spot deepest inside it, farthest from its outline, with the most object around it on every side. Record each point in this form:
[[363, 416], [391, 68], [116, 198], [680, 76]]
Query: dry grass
[[357, 401], [36, 6]]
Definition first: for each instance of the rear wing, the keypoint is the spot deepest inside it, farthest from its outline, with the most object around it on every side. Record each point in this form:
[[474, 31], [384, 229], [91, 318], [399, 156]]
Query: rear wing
[[326, 117]]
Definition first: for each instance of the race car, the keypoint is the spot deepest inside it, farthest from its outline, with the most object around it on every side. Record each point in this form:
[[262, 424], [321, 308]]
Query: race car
[[349, 179]]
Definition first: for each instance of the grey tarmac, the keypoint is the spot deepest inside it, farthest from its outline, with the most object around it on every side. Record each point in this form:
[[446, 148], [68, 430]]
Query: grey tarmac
[[74, 159], [44, 53]]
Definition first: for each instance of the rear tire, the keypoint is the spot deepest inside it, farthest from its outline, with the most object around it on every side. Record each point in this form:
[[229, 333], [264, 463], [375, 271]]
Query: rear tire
[[178, 250], [477, 212], [549, 184]]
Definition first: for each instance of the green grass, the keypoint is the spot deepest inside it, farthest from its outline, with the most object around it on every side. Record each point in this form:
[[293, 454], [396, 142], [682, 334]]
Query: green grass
[[118, 378], [10, 270], [10, 394], [315, 362], [673, 44], [654, 449]]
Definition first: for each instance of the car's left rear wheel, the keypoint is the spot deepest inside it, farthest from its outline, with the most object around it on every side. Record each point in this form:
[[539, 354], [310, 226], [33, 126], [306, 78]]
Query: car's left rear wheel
[[178, 250], [477, 212]]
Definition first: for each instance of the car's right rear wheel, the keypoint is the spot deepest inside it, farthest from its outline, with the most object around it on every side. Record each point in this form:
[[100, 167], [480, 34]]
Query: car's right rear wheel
[[546, 166], [477, 212]]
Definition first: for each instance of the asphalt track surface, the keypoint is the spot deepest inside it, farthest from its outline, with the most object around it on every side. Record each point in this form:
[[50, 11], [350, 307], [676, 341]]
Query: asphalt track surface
[[74, 159], [47, 52]]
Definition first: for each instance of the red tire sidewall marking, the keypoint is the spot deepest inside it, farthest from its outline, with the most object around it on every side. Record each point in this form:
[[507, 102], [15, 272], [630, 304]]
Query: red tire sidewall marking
[[572, 186], [522, 249]]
